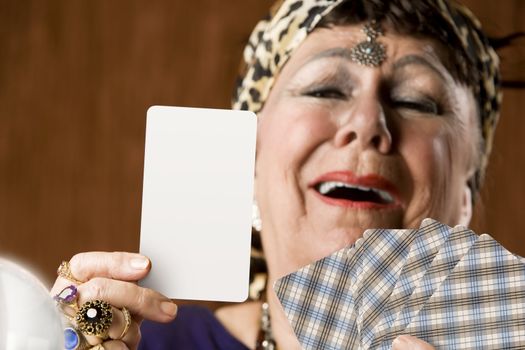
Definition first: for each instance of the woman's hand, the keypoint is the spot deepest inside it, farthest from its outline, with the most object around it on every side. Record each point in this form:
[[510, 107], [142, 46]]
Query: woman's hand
[[407, 342], [112, 277]]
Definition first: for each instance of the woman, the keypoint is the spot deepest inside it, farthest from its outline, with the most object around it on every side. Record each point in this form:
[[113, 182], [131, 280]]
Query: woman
[[371, 114]]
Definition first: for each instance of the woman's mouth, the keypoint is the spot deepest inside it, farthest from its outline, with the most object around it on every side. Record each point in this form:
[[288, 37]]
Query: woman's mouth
[[343, 188]]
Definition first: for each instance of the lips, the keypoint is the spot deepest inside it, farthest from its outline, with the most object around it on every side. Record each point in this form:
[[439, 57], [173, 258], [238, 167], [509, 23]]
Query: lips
[[345, 189]]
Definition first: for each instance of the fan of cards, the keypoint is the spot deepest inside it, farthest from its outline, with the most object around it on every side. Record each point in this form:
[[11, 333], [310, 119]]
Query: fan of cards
[[447, 286]]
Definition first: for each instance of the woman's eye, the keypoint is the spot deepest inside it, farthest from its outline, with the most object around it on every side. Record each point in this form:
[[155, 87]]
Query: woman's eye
[[333, 93], [428, 107]]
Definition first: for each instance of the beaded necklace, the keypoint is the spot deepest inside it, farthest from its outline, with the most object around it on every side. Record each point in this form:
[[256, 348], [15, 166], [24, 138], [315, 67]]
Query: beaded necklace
[[265, 340]]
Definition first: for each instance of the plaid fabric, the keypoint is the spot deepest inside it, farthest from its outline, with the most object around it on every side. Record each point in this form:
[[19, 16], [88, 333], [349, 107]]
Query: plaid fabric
[[430, 238], [480, 305], [447, 286], [316, 302], [381, 264], [457, 244]]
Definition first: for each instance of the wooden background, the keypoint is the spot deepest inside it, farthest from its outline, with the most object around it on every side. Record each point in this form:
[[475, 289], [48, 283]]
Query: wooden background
[[76, 79]]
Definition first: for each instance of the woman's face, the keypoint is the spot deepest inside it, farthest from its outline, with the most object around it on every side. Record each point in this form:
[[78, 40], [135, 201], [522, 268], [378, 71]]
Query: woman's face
[[344, 147]]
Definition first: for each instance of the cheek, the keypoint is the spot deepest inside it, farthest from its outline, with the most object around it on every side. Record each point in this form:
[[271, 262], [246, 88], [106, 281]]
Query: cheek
[[427, 153], [435, 158], [289, 133], [426, 156]]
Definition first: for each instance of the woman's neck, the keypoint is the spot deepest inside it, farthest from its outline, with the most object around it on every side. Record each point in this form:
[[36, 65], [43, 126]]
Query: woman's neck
[[281, 328]]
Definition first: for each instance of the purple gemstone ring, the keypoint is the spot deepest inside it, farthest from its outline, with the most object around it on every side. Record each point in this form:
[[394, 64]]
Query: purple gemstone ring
[[67, 295], [67, 301]]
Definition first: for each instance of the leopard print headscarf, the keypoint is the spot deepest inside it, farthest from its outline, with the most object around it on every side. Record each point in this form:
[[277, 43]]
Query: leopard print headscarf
[[290, 21]]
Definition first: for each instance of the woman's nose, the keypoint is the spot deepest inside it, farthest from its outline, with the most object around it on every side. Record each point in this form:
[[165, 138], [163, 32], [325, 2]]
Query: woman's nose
[[366, 125]]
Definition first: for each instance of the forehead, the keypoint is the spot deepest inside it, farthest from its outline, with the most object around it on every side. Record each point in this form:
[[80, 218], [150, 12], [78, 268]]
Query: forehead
[[336, 42], [423, 63]]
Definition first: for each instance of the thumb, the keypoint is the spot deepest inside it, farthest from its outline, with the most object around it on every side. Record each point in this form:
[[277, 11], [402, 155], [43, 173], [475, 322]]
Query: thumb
[[408, 342]]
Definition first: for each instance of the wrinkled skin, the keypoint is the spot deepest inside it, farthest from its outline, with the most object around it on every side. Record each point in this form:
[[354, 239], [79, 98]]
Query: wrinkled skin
[[407, 121]]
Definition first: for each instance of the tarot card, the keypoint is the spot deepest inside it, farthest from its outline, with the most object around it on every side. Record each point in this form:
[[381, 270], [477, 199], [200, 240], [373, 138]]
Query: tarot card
[[197, 202], [316, 301], [480, 305], [382, 262], [430, 237], [450, 287], [458, 243]]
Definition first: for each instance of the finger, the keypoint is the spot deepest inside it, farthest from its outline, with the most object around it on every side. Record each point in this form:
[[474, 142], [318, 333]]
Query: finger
[[144, 302], [408, 342], [112, 345], [118, 330], [116, 265], [60, 284], [130, 341], [132, 337]]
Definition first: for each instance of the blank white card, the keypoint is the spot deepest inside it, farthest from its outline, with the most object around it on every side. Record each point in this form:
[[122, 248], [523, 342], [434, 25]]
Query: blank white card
[[197, 202]]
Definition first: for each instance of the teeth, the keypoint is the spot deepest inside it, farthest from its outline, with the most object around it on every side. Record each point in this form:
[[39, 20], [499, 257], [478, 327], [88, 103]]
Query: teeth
[[384, 195], [329, 186], [326, 187]]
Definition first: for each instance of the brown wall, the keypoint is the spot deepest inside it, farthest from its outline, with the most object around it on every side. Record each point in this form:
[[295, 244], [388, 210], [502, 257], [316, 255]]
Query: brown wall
[[76, 78]]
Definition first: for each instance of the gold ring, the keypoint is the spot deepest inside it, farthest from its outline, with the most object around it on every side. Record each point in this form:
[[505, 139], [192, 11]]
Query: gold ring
[[94, 318], [74, 340], [64, 270], [127, 319]]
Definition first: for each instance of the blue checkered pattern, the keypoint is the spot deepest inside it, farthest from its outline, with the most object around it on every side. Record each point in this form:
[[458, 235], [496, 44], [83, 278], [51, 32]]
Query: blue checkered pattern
[[316, 302], [382, 262], [458, 243], [429, 240], [447, 286], [480, 305]]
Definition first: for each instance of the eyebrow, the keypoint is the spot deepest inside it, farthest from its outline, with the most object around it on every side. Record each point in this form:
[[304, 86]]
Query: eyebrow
[[420, 60], [334, 52], [401, 63]]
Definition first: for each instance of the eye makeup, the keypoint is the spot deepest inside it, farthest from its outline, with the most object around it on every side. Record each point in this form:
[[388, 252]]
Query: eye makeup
[[324, 81]]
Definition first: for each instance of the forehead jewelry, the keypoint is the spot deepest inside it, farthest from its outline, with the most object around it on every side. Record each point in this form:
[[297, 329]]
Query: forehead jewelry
[[369, 52]]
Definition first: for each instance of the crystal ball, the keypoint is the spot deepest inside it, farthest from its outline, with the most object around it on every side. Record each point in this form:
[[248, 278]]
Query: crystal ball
[[28, 316]]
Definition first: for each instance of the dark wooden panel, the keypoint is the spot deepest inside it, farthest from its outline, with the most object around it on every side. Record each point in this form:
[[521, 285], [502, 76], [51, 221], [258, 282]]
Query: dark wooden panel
[[76, 78]]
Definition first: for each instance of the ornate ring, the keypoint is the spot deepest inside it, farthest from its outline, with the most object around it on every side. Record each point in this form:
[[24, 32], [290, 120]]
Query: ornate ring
[[64, 270], [94, 318], [127, 319], [73, 340]]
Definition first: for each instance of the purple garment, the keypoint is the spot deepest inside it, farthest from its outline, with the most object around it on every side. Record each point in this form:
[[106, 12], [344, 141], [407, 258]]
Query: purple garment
[[194, 328]]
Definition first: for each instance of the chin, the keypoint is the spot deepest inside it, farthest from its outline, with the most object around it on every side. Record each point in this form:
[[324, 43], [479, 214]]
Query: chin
[[330, 241]]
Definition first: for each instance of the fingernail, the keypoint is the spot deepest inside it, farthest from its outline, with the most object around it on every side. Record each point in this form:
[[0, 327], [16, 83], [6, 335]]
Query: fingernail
[[139, 263], [399, 341], [407, 342], [169, 308]]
